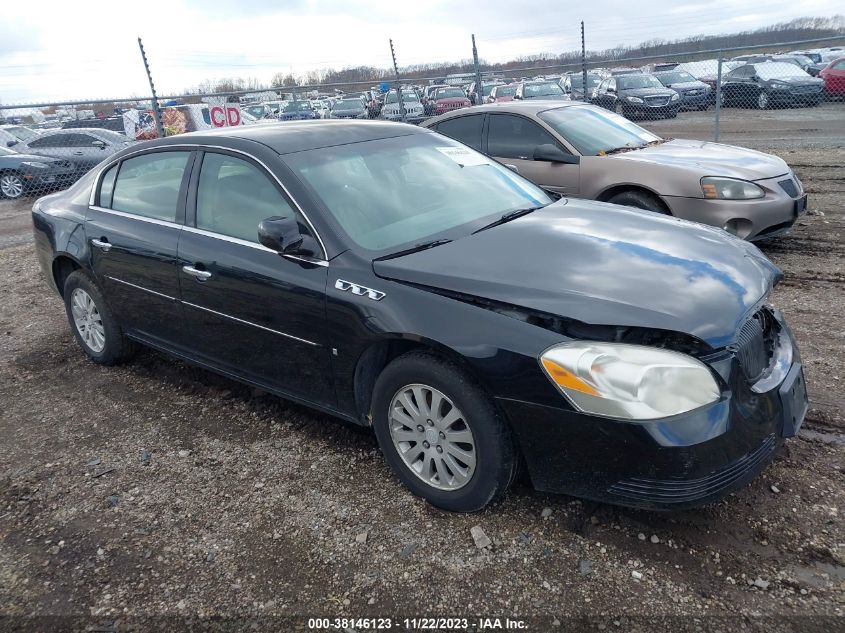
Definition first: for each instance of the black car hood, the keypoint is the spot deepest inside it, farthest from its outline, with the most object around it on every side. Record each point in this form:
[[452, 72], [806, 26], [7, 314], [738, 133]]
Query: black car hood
[[647, 92], [797, 81], [688, 85], [605, 265]]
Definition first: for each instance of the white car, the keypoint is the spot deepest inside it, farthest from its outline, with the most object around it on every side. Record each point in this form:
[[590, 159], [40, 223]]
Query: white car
[[411, 101]]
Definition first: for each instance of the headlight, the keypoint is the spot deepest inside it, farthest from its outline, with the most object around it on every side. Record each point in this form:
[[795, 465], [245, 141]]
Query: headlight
[[780, 86], [675, 97], [634, 99], [631, 382], [36, 164], [730, 189]]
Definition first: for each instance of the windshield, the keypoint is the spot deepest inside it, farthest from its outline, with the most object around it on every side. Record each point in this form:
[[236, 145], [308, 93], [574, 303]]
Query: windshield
[[405, 190], [449, 93], [297, 106], [577, 81], [349, 104], [543, 90], [634, 82], [406, 96], [772, 70], [505, 91], [677, 77], [23, 133], [486, 88], [593, 130]]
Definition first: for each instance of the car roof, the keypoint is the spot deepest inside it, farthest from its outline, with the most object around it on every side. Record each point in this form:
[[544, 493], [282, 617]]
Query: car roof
[[528, 108], [297, 136]]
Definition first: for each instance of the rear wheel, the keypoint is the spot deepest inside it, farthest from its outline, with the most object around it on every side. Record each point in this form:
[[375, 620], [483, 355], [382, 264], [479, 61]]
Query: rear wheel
[[640, 200], [763, 101], [441, 433], [92, 322], [11, 185]]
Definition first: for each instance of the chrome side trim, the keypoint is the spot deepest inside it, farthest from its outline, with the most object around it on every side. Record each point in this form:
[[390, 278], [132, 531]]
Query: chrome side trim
[[261, 327], [132, 216], [195, 146], [358, 290], [237, 240], [158, 294]]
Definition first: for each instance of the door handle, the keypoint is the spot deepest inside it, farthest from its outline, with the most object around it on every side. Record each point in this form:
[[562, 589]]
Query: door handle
[[102, 244], [201, 275], [77, 153]]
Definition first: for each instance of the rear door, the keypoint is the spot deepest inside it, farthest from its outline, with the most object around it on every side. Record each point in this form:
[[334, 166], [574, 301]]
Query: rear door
[[248, 310], [133, 231], [464, 129], [512, 139]]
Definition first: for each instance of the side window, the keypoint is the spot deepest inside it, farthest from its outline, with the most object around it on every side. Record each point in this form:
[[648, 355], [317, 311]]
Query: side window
[[149, 185], [234, 196], [466, 129], [46, 141], [107, 188], [839, 65], [515, 137], [611, 84], [78, 140]]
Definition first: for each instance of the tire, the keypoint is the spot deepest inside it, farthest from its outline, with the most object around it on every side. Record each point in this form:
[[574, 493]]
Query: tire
[[672, 114], [763, 100], [479, 431], [91, 320], [640, 200], [12, 186]]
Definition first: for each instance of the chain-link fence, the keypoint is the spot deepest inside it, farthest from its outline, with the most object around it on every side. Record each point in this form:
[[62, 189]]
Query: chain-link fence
[[46, 146]]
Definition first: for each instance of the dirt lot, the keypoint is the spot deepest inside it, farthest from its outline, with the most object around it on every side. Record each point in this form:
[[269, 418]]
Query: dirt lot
[[146, 494]]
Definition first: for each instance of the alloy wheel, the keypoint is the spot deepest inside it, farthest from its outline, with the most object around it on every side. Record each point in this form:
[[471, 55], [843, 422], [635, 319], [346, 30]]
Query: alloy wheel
[[762, 101], [11, 185], [87, 319], [432, 437]]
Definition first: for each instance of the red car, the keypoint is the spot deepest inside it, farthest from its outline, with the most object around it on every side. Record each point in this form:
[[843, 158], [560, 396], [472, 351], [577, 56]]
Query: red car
[[501, 94], [448, 99], [834, 78]]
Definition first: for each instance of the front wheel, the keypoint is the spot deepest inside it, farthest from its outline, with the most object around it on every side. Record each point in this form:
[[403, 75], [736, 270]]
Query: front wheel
[[762, 101], [92, 322], [441, 434], [640, 200], [11, 185]]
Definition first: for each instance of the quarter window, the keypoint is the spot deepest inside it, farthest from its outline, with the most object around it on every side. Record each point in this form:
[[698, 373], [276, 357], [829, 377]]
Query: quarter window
[[515, 137], [466, 129], [234, 196], [107, 187], [149, 185]]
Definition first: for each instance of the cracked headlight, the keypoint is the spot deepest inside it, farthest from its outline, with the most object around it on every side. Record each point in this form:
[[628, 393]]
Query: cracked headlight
[[729, 189], [631, 382]]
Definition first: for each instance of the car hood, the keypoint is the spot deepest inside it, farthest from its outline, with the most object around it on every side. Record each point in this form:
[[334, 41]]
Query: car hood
[[563, 97], [797, 81], [688, 85], [452, 101], [647, 92], [711, 159], [602, 264]]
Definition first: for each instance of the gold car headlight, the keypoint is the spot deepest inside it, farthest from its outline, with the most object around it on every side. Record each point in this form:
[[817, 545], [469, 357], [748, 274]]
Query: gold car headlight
[[631, 382], [730, 189]]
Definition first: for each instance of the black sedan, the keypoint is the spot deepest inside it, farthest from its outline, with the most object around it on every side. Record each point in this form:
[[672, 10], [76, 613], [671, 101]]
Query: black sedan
[[632, 95], [770, 84], [626, 357], [694, 94], [22, 174]]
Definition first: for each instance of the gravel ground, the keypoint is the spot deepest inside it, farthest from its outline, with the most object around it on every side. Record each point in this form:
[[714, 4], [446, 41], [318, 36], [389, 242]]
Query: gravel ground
[[145, 495]]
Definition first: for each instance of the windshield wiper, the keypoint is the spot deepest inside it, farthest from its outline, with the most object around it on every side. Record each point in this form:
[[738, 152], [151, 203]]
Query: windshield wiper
[[416, 248], [507, 217]]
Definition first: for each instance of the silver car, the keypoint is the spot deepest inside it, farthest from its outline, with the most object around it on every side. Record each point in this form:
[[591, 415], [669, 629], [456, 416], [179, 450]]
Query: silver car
[[83, 147], [585, 151]]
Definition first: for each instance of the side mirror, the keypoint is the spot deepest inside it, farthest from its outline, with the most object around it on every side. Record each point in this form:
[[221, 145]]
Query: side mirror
[[281, 234], [553, 154], [11, 143]]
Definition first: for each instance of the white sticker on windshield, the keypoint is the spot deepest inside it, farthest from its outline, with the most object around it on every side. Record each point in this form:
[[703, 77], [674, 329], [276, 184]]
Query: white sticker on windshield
[[464, 156]]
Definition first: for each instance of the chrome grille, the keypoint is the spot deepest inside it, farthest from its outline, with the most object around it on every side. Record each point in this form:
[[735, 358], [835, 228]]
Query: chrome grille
[[657, 101], [754, 344], [789, 187]]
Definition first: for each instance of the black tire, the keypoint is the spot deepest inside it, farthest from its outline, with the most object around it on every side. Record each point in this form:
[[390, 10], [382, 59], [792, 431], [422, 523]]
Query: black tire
[[763, 100], [496, 455], [116, 347], [12, 185], [640, 200]]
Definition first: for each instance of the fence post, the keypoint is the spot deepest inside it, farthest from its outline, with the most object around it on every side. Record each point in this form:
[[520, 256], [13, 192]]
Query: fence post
[[398, 84], [718, 107], [156, 111], [479, 93], [583, 62]]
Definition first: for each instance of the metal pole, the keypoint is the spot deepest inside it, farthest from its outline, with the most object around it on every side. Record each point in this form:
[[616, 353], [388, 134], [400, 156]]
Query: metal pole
[[583, 62], [718, 97], [156, 112], [398, 83], [479, 93]]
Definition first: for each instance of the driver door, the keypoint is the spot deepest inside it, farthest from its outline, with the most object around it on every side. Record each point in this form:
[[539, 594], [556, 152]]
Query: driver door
[[512, 139]]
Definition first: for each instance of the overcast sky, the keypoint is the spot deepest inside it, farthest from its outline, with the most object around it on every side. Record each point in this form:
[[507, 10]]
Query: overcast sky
[[76, 49]]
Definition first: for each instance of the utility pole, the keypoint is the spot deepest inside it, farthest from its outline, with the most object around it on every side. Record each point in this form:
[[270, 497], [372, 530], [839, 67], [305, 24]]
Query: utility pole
[[398, 83], [156, 111], [479, 93], [583, 63]]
